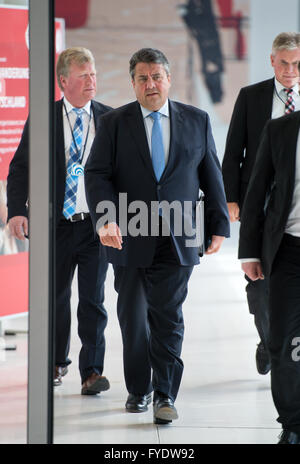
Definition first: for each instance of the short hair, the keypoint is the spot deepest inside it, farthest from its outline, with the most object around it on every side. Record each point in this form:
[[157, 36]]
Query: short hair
[[148, 55], [77, 55], [286, 41]]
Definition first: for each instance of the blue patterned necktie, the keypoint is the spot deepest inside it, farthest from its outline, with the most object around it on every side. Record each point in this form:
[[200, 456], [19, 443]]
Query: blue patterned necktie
[[71, 179], [157, 145]]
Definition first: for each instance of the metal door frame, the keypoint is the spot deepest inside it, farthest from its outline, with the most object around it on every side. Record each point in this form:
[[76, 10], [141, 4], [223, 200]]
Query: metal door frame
[[41, 220]]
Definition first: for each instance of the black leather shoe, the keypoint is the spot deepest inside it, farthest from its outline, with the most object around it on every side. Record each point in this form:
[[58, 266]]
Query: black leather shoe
[[138, 403], [59, 373], [289, 438], [263, 362], [164, 410]]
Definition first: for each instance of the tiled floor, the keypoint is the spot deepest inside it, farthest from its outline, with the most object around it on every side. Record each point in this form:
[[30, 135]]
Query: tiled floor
[[222, 398]]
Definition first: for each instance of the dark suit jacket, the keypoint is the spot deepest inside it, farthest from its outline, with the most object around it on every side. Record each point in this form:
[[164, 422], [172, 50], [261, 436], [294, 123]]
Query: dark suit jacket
[[273, 178], [253, 108], [120, 162], [17, 181]]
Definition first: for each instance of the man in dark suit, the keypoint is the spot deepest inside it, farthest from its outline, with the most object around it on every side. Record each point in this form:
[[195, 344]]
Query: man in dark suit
[[154, 150], [255, 105], [76, 245], [270, 235]]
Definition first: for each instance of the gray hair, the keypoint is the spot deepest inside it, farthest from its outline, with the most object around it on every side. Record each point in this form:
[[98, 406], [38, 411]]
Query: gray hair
[[286, 41], [77, 55], [148, 55]]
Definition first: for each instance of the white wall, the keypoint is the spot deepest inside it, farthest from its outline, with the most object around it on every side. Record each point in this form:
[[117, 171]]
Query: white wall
[[267, 19]]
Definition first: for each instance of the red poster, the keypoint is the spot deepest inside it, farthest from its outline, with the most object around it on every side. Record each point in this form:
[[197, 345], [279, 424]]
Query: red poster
[[14, 106]]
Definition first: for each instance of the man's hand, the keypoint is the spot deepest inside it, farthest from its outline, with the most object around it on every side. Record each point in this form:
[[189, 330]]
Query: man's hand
[[110, 235], [253, 270], [18, 226], [216, 242], [234, 211]]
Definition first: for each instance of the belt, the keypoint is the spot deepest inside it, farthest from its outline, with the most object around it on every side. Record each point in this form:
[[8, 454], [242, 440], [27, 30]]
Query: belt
[[77, 217], [291, 240]]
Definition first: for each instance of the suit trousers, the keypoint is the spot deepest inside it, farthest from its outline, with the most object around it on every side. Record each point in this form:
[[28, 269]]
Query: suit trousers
[[77, 246], [150, 315], [284, 331], [258, 303]]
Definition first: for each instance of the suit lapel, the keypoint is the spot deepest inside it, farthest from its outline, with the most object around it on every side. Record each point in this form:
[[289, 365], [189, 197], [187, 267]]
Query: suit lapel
[[265, 99], [60, 140], [176, 121], [96, 114], [137, 129], [136, 125], [290, 148]]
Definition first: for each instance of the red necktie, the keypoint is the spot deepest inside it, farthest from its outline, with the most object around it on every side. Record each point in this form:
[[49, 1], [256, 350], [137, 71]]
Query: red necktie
[[289, 104]]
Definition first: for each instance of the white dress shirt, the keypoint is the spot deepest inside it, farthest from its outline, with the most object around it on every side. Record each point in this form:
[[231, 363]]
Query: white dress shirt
[[165, 125], [280, 97], [88, 122]]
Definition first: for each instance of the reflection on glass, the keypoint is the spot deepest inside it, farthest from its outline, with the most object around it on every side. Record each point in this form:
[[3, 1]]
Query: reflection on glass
[[14, 85], [113, 31]]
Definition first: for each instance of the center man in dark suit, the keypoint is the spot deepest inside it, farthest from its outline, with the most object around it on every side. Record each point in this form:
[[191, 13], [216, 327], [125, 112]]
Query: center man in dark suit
[[255, 105], [152, 150], [76, 246]]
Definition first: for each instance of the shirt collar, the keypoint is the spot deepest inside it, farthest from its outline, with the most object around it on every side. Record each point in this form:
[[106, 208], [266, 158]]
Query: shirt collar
[[280, 87], [70, 107], [164, 110]]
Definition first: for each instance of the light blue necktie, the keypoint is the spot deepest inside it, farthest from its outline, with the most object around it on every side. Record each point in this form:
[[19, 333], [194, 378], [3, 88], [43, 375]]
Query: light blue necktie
[[71, 179], [157, 145]]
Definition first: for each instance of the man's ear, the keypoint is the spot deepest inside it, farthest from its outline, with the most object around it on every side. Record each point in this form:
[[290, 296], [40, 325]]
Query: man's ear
[[62, 80]]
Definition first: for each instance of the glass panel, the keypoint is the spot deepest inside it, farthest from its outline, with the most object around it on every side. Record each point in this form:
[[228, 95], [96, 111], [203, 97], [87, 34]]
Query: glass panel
[[14, 103], [207, 51]]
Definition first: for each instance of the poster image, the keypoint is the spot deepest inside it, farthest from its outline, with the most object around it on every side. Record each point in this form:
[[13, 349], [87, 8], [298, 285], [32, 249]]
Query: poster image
[[14, 107]]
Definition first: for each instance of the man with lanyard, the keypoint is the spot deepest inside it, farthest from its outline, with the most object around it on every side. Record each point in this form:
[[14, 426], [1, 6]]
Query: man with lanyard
[[255, 105], [76, 245]]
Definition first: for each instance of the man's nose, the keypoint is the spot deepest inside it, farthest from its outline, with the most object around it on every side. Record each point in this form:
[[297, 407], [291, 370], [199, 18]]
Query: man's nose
[[150, 83], [290, 68], [90, 78]]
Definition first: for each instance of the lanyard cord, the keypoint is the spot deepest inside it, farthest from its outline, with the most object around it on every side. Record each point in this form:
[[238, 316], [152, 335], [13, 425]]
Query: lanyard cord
[[279, 95], [86, 138]]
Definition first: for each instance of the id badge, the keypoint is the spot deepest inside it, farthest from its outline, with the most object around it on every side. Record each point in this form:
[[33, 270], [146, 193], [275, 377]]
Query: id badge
[[77, 170]]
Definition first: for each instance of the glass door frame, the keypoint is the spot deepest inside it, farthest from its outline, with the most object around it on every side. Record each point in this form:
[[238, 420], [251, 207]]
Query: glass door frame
[[42, 223]]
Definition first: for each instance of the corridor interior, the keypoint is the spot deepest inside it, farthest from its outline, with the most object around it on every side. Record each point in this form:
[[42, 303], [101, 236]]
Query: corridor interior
[[222, 400]]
